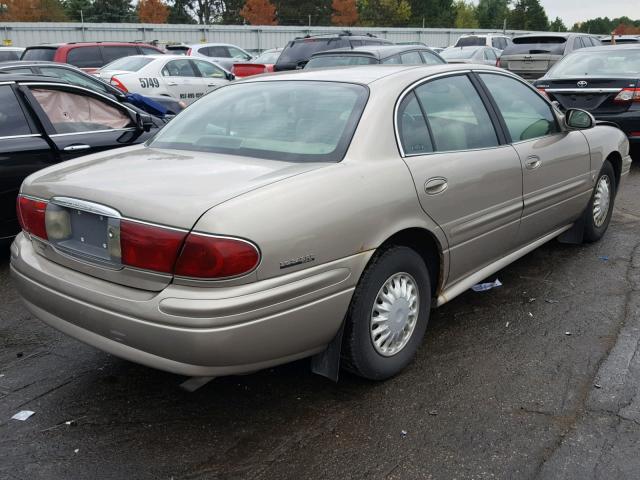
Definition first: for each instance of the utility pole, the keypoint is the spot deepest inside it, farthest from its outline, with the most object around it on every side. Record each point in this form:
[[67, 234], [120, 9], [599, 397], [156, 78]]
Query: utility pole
[[422, 22], [504, 26], [309, 19]]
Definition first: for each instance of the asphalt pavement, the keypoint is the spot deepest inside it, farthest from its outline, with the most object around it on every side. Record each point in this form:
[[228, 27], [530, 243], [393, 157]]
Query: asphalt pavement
[[537, 379]]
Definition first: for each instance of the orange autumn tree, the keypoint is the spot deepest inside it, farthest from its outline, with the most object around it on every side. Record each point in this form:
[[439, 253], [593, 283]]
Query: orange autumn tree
[[626, 29], [345, 13], [152, 11], [259, 12]]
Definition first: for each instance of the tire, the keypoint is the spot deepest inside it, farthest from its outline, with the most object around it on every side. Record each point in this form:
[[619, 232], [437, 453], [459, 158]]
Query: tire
[[359, 354], [593, 229]]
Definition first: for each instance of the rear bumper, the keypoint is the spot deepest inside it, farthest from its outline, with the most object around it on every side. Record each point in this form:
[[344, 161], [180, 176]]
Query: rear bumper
[[192, 331]]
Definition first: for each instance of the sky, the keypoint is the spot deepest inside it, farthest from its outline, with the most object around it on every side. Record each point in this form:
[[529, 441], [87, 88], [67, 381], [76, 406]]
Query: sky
[[572, 11]]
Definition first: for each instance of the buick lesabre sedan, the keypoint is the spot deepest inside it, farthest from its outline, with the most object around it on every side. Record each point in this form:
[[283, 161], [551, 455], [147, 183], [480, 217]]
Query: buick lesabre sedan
[[310, 214]]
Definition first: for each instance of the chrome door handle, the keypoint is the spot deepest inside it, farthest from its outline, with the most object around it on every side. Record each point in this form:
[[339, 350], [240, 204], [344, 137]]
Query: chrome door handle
[[533, 162], [435, 185], [76, 148], [211, 84], [172, 84]]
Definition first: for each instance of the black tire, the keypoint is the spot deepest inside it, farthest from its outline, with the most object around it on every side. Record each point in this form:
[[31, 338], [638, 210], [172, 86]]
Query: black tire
[[359, 355], [592, 231]]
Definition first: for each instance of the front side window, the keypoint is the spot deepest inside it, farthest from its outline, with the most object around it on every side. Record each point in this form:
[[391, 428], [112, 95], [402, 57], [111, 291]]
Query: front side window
[[12, 119], [74, 113], [457, 118], [74, 78], [238, 54], [394, 60], [209, 70], [411, 58], [297, 121], [526, 115], [178, 68], [431, 59], [412, 127], [85, 57]]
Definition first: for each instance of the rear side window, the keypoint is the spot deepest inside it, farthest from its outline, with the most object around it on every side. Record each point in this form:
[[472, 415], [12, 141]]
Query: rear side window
[[431, 59], [301, 50], [45, 54], [457, 118], [412, 127], [153, 51], [411, 58], [8, 55], [526, 114], [85, 57], [394, 60], [179, 68], [115, 52], [12, 119], [219, 51]]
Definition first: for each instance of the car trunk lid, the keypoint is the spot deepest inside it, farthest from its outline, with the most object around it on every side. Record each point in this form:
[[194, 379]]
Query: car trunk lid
[[595, 95]]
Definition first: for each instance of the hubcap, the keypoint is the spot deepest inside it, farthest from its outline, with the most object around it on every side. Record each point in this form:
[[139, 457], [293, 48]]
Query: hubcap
[[394, 314], [601, 200]]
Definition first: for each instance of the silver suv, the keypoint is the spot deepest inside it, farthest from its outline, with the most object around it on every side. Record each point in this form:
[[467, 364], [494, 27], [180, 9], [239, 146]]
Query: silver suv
[[486, 40]]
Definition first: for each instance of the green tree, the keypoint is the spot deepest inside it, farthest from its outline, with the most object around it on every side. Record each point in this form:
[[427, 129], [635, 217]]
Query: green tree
[[492, 13], [557, 25], [465, 15], [231, 15], [72, 9], [384, 13], [528, 15], [292, 12], [111, 11], [434, 13], [179, 12]]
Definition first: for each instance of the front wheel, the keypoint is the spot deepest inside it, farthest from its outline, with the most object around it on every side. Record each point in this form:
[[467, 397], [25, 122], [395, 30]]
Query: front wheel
[[388, 314], [600, 208]]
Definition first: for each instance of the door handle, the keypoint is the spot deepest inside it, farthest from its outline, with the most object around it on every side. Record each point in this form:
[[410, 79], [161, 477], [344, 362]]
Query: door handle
[[172, 84], [435, 185], [533, 162], [211, 84], [76, 148]]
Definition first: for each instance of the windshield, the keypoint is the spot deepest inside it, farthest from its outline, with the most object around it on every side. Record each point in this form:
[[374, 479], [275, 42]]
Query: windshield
[[324, 61], [471, 42], [128, 64], [611, 63], [451, 53], [295, 121], [39, 54], [268, 58], [301, 50]]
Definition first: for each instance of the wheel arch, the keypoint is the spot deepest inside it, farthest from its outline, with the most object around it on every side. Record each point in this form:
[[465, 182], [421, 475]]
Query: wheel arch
[[616, 162]]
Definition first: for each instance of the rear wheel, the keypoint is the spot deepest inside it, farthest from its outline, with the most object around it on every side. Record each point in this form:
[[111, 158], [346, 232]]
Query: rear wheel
[[598, 213], [388, 314]]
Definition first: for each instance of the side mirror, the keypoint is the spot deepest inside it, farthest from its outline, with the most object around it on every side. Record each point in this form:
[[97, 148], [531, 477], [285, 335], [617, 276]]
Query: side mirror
[[230, 76], [579, 119], [144, 122]]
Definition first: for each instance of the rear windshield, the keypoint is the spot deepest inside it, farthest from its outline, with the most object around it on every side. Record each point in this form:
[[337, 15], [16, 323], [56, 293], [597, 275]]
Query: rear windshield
[[46, 54], [295, 121], [301, 50], [471, 42], [607, 41], [532, 45], [612, 63], [7, 55], [452, 53], [128, 64], [324, 61]]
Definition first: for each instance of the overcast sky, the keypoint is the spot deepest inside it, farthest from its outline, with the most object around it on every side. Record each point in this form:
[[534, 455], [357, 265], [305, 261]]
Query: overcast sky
[[572, 11]]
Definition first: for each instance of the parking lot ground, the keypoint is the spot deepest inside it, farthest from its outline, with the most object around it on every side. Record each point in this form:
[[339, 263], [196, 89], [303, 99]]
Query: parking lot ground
[[539, 378]]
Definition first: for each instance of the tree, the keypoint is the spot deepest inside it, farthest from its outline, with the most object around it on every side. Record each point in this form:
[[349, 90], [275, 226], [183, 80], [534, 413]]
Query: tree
[[179, 12], [72, 9], [465, 15], [557, 25], [528, 15], [231, 14], [384, 13], [152, 11], [492, 13], [300, 12], [33, 11], [259, 12], [626, 29], [432, 13], [345, 13], [110, 11]]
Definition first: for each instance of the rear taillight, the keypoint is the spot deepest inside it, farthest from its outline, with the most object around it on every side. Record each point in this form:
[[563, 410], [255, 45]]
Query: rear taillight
[[628, 95], [544, 93], [31, 215], [189, 52], [205, 256], [118, 84], [498, 63], [149, 247]]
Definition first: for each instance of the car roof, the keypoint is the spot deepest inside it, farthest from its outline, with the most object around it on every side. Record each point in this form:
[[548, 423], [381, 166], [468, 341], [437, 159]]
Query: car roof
[[214, 44], [611, 48], [22, 77], [365, 75], [36, 63], [89, 44], [553, 34], [378, 51]]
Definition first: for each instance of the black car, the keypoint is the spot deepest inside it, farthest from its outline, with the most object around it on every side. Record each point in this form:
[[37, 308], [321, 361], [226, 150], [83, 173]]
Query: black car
[[46, 120], [371, 55], [602, 80], [298, 52], [76, 76]]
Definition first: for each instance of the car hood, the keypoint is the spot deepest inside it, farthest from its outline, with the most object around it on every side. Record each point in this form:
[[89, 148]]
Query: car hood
[[168, 187]]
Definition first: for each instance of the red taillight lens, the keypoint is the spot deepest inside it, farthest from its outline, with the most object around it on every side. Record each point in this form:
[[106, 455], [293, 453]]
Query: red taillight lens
[[205, 256], [498, 63], [544, 93], [118, 84], [149, 247], [31, 216], [189, 52], [627, 95]]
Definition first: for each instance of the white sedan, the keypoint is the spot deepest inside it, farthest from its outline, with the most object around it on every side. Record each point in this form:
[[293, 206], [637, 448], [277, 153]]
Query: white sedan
[[183, 78]]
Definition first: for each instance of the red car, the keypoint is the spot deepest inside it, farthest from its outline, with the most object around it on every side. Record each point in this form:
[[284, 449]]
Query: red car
[[89, 56], [263, 63]]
